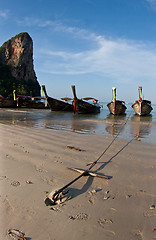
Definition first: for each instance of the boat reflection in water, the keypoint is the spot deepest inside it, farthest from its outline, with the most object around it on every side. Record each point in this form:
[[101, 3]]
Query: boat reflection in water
[[79, 125], [115, 124], [140, 126], [124, 125], [69, 122]]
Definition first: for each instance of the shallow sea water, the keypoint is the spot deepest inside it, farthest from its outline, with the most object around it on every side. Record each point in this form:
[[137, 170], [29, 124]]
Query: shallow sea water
[[127, 126]]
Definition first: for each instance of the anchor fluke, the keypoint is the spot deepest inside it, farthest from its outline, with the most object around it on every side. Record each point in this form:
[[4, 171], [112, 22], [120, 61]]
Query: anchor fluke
[[56, 197]]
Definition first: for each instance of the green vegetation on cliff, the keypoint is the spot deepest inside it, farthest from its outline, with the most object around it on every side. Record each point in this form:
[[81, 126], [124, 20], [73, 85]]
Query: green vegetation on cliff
[[8, 83]]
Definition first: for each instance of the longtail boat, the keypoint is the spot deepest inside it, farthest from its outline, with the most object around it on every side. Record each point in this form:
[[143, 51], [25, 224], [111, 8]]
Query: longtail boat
[[8, 103], [142, 107], [12, 101], [34, 102], [22, 101], [81, 106], [57, 105], [116, 107]]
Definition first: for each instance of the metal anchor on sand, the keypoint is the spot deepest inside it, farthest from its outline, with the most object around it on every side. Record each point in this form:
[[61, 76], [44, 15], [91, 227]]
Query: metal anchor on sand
[[59, 196]]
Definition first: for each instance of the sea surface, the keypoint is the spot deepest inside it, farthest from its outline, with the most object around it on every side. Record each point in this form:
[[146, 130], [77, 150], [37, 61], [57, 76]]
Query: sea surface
[[126, 126]]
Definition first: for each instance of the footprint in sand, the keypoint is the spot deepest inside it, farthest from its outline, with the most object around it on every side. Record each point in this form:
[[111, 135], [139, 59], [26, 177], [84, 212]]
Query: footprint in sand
[[151, 212], [15, 183], [3, 177], [8, 207], [138, 235], [79, 216], [103, 221], [41, 169], [107, 195], [91, 196]]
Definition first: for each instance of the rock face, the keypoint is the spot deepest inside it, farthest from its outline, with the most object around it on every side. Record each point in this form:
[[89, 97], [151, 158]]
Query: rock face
[[17, 55]]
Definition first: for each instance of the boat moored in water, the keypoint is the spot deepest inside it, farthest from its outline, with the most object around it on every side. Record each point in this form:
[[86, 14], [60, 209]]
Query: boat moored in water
[[116, 107], [21, 101], [57, 105], [8, 102], [81, 106], [142, 107]]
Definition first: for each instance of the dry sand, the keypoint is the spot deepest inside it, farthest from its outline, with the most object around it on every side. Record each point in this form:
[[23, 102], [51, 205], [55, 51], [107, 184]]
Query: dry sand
[[118, 208]]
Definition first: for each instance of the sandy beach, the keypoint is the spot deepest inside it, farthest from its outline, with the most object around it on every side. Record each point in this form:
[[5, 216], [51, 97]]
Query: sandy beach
[[34, 162]]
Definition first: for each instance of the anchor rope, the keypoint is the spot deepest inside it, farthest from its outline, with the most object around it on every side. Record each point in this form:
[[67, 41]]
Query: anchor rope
[[94, 163], [85, 173], [56, 194], [136, 136]]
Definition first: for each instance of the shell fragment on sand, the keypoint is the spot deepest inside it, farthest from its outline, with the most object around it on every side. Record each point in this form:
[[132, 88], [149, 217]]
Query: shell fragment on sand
[[16, 234], [28, 182], [152, 207]]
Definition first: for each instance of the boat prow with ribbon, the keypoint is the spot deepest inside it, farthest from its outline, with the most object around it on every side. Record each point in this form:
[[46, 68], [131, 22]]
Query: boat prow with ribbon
[[142, 107], [81, 106], [57, 105], [116, 107]]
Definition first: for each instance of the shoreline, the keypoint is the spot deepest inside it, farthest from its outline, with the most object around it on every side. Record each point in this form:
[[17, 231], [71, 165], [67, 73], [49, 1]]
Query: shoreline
[[118, 208], [102, 124], [145, 131], [120, 123]]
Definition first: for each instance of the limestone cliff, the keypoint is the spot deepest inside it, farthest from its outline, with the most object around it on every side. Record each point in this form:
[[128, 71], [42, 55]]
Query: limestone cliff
[[16, 63]]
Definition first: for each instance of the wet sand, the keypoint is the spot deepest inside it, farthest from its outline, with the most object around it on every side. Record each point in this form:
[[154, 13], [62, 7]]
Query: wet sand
[[34, 162], [127, 125]]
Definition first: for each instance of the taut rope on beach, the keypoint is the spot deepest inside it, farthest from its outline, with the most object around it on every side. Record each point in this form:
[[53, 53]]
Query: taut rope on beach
[[56, 196]]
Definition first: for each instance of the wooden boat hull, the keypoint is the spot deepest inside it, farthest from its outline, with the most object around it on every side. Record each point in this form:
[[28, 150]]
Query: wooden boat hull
[[57, 105], [34, 104], [21, 103], [81, 106], [142, 108], [117, 107], [8, 103]]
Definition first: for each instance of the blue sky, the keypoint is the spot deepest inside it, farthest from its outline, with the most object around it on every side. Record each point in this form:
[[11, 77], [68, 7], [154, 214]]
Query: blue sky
[[93, 44]]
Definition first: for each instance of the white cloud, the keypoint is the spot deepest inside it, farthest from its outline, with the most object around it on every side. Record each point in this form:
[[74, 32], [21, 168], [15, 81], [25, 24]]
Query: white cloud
[[119, 59], [152, 3], [56, 26], [4, 14]]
